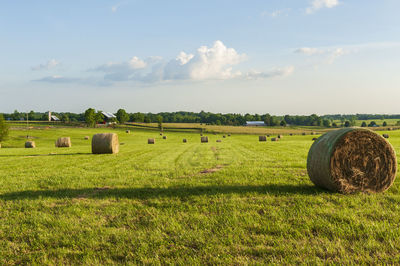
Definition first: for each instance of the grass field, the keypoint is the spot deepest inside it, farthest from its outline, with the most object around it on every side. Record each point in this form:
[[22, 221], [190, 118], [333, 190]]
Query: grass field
[[235, 202]]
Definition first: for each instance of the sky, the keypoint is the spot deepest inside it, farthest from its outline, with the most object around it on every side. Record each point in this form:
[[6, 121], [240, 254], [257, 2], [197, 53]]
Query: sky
[[256, 56]]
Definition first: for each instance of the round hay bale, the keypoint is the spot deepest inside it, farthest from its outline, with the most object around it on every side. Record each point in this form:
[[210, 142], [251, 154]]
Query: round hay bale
[[87, 137], [160, 134], [304, 133], [201, 134], [127, 131], [352, 160], [274, 139], [291, 134], [105, 143], [386, 136], [262, 138], [280, 136], [204, 139], [151, 141], [390, 129], [30, 144], [229, 135], [224, 136], [314, 139], [164, 137], [64, 142], [313, 133], [184, 140], [218, 140]]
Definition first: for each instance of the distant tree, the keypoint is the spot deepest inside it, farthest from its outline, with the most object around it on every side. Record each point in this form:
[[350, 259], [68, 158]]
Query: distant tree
[[384, 124], [137, 117], [90, 117], [122, 116], [326, 123], [16, 115], [147, 119], [65, 118], [347, 123], [398, 123], [363, 124], [99, 117], [3, 128], [372, 124], [283, 123], [31, 115]]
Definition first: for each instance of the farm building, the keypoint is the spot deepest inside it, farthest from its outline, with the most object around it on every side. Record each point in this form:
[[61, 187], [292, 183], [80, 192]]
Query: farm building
[[52, 117], [109, 117], [255, 123]]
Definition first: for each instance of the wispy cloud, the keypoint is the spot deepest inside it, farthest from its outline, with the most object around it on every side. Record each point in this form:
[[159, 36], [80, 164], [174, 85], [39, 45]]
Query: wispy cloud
[[330, 54], [276, 13], [319, 4], [46, 66]]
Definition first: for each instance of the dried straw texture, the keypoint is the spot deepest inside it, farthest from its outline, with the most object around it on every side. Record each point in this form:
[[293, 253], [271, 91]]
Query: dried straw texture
[[63, 142], [30, 144], [262, 138], [105, 143], [352, 160], [151, 141], [204, 139], [184, 140]]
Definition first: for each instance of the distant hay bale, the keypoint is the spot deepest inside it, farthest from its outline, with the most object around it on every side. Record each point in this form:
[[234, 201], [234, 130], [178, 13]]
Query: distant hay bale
[[218, 140], [214, 133], [291, 134], [201, 134], [151, 141], [87, 137], [30, 144], [274, 139], [352, 160], [105, 143], [229, 135], [204, 139], [160, 134], [313, 133], [390, 129], [127, 131], [314, 139], [224, 136], [262, 138], [164, 137], [268, 136], [386, 136], [304, 133], [184, 140], [64, 142], [280, 136]]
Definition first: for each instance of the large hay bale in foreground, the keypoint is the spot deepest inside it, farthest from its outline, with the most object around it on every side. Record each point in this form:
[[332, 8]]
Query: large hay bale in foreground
[[64, 142], [105, 143], [151, 141], [262, 138], [350, 160], [204, 139], [30, 144]]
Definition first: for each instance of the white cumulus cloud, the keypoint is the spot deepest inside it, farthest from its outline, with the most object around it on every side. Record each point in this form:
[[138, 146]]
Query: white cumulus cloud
[[318, 4], [46, 66]]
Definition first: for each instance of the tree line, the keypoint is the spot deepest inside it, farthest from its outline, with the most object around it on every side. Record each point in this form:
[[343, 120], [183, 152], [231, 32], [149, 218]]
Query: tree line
[[92, 116]]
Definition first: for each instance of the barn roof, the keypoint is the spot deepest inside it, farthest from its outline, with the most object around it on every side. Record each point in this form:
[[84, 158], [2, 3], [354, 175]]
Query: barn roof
[[108, 115]]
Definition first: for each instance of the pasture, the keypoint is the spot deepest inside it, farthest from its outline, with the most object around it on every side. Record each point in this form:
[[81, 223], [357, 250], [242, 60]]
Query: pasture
[[240, 201]]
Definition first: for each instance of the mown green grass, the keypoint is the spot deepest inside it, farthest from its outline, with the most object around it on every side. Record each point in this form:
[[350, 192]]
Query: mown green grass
[[152, 204]]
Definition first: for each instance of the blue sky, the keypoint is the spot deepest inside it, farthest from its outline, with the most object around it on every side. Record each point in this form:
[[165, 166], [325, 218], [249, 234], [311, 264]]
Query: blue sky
[[277, 56]]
